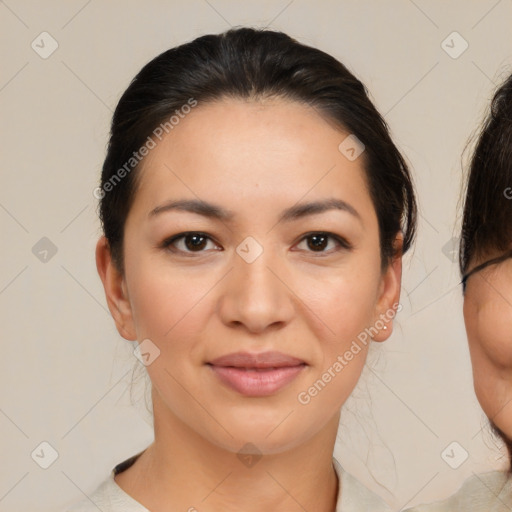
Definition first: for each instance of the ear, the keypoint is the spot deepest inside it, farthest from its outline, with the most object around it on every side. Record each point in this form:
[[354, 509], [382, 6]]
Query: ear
[[388, 303], [115, 290]]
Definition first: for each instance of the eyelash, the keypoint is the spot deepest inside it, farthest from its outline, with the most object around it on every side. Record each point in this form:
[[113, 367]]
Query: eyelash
[[342, 243]]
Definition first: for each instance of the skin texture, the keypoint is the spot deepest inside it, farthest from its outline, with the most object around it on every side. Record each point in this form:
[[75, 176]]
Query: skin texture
[[255, 158], [488, 316]]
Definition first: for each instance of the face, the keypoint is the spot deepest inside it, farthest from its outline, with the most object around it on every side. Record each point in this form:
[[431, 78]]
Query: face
[[488, 317], [252, 264]]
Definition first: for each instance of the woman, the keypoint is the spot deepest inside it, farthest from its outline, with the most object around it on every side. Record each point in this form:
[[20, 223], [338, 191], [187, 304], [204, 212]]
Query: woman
[[485, 264], [255, 212]]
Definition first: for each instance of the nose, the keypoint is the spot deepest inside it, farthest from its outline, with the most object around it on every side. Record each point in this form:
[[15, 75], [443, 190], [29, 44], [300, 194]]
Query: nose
[[256, 296]]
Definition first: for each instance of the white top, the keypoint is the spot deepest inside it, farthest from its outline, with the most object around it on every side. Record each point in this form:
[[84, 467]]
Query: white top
[[489, 492], [109, 497]]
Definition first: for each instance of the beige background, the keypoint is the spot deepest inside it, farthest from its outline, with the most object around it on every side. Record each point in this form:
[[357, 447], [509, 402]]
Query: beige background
[[65, 372]]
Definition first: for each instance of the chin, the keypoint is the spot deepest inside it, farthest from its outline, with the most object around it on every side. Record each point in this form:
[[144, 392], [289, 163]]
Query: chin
[[265, 438]]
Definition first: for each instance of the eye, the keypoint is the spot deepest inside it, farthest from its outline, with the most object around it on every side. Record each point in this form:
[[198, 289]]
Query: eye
[[319, 241], [189, 242]]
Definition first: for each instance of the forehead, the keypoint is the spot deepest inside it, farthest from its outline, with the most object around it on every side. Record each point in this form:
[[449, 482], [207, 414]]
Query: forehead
[[262, 152]]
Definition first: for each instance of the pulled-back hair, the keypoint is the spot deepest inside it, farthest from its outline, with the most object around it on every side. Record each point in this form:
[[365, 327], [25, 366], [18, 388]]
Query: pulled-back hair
[[252, 64], [487, 217]]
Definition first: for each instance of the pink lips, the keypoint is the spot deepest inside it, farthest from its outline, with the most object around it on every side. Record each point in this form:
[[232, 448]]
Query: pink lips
[[257, 374]]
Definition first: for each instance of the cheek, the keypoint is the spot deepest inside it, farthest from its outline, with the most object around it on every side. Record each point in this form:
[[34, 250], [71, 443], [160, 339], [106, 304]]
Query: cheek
[[489, 329], [345, 304], [349, 298], [348, 308], [166, 303], [490, 343]]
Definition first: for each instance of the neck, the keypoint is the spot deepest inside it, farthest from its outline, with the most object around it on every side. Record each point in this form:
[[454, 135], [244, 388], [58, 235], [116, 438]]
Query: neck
[[181, 470]]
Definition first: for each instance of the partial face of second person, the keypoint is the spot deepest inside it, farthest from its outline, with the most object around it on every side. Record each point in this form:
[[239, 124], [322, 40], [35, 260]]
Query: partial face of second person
[[488, 319], [307, 295]]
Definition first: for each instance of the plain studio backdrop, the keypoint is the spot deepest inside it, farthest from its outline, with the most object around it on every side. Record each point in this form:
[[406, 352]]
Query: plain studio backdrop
[[413, 430]]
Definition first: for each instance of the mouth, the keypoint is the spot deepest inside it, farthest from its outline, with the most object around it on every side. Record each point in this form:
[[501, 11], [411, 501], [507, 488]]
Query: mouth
[[257, 375]]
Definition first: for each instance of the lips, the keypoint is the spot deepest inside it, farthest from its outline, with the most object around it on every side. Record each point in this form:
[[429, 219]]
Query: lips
[[256, 375], [262, 360]]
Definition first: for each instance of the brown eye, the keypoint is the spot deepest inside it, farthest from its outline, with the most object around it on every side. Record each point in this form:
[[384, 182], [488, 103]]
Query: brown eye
[[188, 242], [322, 243], [317, 242], [195, 242]]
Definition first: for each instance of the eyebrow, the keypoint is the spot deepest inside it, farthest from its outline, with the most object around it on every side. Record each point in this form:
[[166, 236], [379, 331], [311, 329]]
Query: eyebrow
[[295, 212]]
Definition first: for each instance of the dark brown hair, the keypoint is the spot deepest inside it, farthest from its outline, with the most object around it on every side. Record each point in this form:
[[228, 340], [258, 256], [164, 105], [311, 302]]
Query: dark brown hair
[[487, 217], [251, 64]]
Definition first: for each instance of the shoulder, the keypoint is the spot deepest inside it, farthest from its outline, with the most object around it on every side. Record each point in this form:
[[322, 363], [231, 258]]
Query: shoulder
[[98, 499], [353, 496], [488, 492], [108, 497]]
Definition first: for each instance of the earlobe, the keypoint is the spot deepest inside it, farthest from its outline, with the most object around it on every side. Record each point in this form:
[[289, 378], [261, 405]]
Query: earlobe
[[388, 303], [116, 292]]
